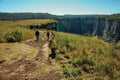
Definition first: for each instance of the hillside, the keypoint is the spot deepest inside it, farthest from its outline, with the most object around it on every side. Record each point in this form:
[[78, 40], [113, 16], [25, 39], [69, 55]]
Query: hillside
[[85, 58], [27, 60], [77, 58]]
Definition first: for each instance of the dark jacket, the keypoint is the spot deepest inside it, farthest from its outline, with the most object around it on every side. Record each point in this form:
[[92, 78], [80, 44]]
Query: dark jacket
[[37, 33]]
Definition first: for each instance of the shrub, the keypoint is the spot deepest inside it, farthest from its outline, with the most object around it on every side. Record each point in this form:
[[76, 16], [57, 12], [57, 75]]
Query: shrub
[[14, 36], [18, 35], [10, 38]]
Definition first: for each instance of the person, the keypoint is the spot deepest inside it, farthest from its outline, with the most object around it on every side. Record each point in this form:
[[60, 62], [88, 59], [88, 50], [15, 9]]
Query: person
[[48, 35], [53, 36], [53, 53], [37, 35]]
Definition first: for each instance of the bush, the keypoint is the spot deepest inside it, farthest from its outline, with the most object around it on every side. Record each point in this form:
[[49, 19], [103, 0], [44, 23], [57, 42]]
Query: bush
[[18, 35], [10, 38], [14, 36]]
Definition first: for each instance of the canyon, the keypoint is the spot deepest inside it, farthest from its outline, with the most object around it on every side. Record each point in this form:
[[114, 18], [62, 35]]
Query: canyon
[[106, 27]]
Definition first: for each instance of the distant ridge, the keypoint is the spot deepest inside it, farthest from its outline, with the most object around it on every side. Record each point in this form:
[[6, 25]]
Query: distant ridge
[[29, 15]]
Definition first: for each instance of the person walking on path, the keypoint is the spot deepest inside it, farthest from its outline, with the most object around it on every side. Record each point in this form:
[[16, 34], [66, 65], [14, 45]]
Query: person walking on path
[[48, 35], [53, 35], [53, 53], [37, 34]]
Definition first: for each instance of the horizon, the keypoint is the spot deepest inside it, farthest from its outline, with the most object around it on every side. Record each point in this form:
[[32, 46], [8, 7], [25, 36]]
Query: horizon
[[61, 7], [57, 14]]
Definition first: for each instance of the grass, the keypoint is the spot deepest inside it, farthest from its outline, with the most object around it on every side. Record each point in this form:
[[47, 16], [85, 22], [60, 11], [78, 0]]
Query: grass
[[79, 56], [15, 31], [40, 71], [20, 23], [26, 33], [21, 26], [11, 52], [118, 45]]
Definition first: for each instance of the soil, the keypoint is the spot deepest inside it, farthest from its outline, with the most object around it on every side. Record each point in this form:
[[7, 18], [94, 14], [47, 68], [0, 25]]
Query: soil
[[24, 69]]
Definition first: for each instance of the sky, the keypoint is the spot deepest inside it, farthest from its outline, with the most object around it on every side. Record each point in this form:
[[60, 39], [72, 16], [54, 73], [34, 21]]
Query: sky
[[61, 7]]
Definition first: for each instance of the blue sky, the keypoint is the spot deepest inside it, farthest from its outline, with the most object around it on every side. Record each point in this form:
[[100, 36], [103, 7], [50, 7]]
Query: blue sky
[[61, 7]]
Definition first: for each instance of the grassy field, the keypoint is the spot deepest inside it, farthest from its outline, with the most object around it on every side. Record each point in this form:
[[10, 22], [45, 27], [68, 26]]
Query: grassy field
[[83, 58], [8, 29], [19, 23]]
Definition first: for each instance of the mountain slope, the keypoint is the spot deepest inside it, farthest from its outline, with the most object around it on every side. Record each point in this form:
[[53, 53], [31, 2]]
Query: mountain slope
[[77, 57]]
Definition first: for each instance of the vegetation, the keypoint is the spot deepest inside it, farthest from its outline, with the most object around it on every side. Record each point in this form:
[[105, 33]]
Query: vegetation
[[14, 36], [85, 58], [15, 51], [78, 24], [118, 45], [23, 16], [11, 31], [22, 23], [114, 16], [78, 58]]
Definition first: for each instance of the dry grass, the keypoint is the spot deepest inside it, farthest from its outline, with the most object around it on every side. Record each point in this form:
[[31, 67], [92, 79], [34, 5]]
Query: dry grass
[[21, 26], [25, 22], [14, 51]]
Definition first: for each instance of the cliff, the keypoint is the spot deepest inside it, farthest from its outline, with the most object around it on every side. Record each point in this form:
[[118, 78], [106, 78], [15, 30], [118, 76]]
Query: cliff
[[108, 29]]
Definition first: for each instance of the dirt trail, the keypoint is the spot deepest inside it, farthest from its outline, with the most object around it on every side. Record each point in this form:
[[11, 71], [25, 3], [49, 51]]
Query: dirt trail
[[39, 68]]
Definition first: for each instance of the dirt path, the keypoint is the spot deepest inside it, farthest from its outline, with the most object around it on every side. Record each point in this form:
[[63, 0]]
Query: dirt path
[[38, 68]]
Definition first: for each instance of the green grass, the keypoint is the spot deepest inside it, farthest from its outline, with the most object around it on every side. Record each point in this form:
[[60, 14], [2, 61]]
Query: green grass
[[79, 56]]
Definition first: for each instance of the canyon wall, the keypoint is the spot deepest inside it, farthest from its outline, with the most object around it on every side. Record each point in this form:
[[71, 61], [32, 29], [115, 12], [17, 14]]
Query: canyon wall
[[108, 29]]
